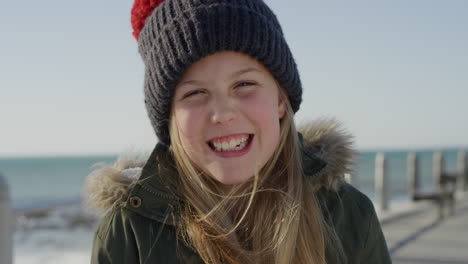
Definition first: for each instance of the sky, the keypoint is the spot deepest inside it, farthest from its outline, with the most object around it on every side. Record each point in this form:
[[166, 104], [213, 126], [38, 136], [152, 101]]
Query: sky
[[394, 73]]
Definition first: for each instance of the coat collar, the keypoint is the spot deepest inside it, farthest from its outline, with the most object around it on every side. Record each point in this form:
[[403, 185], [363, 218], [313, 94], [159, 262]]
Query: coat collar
[[144, 185], [156, 197]]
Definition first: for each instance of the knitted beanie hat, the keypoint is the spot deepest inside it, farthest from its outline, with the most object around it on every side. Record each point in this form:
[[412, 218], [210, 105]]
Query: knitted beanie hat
[[173, 34]]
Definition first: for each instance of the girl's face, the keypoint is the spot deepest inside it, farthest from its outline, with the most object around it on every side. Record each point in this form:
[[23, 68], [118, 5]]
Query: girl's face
[[227, 108]]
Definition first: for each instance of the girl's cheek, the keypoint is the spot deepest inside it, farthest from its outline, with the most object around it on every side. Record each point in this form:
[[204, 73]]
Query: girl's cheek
[[190, 129], [188, 117], [258, 101], [191, 106]]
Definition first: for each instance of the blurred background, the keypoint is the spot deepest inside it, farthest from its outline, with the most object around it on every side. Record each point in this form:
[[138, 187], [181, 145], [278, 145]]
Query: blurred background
[[394, 73]]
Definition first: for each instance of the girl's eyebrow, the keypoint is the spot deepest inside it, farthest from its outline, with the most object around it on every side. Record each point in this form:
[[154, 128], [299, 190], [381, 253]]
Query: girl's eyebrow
[[194, 82], [240, 72], [232, 76]]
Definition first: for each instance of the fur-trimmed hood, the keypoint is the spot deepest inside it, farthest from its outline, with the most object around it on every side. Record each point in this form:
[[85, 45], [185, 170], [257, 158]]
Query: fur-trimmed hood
[[327, 154]]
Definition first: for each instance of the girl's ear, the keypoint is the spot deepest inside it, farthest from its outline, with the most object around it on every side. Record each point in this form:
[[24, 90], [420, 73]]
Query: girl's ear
[[281, 105]]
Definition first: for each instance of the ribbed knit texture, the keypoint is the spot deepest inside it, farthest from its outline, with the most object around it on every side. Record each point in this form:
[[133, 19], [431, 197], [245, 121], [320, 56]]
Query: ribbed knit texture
[[181, 32]]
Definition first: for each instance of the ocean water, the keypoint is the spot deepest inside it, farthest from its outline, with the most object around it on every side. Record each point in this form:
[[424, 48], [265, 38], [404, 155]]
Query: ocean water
[[33, 180], [45, 179]]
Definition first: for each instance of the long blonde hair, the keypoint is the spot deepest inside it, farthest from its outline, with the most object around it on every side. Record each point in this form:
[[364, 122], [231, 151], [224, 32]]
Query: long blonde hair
[[274, 217]]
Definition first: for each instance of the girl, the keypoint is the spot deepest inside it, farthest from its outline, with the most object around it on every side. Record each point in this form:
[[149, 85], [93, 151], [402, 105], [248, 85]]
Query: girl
[[230, 180]]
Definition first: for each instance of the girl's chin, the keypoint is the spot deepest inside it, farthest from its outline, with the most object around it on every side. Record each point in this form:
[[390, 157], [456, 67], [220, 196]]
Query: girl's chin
[[230, 179]]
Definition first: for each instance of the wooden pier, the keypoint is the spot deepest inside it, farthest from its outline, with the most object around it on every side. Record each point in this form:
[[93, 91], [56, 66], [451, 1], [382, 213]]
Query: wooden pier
[[433, 228], [423, 237]]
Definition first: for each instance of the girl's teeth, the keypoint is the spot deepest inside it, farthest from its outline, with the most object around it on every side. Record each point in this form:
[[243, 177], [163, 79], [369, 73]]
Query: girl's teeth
[[226, 145], [231, 145]]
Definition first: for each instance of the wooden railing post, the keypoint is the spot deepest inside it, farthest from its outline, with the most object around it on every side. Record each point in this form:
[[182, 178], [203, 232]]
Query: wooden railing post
[[413, 174], [381, 182], [437, 167], [461, 168], [6, 239]]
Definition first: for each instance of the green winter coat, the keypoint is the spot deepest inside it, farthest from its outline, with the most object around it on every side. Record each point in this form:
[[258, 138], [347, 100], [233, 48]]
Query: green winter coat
[[141, 204]]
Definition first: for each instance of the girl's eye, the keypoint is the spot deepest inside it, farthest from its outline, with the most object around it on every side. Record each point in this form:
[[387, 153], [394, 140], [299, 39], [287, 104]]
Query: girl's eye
[[242, 84], [245, 88], [192, 93]]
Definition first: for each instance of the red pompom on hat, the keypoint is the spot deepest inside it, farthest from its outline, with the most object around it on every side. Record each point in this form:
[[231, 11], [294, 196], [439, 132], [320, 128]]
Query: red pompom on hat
[[141, 10]]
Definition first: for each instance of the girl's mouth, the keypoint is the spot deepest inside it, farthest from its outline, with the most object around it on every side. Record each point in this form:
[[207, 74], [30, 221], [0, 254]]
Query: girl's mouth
[[231, 145]]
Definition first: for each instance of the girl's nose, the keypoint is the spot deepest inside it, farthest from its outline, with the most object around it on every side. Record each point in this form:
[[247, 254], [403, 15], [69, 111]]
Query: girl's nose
[[223, 113]]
